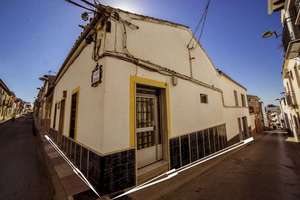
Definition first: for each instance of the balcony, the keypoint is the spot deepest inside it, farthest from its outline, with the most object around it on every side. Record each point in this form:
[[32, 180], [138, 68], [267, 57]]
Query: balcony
[[291, 42], [297, 9], [289, 101], [291, 39]]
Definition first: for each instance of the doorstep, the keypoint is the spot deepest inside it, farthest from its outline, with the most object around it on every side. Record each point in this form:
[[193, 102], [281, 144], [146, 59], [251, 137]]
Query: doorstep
[[146, 173]]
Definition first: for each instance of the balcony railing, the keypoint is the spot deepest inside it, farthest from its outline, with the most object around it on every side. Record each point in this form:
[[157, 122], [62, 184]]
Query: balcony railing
[[286, 37], [297, 8], [289, 100], [291, 32]]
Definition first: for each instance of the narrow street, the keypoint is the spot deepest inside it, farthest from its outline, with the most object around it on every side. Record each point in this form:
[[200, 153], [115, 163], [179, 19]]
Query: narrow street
[[267, 169], [22, 171]]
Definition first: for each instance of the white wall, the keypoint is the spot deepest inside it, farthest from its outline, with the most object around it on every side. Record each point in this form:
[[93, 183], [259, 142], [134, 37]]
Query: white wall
[[90, 100], [103, 114]]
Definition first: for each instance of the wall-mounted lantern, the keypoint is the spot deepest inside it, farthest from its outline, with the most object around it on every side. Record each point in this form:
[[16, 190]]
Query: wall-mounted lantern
[[174, 80], [96, 78]]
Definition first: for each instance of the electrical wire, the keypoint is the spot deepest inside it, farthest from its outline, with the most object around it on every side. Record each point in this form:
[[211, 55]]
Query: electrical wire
[[204, 20], [201, 23], [81, 6], [89, 3]]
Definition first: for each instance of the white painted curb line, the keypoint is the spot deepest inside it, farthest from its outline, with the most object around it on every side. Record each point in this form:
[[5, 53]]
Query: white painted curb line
[[75, 169], [174, 172], [158, 179]]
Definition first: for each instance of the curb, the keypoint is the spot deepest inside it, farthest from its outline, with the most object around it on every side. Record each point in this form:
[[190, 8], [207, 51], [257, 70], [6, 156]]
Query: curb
[[58, 191], [67, 185], [4, 121], [7, 120]]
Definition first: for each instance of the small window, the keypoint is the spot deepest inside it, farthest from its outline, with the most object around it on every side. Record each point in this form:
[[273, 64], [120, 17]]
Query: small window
[[236, 98], [243, 100], [251, 109], [108, 26], [297, 75], [291, 74], [203, 98], [54, 117]]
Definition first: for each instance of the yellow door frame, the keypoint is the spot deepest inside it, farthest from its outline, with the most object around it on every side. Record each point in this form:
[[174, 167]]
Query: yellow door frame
[[134, 80], [75, 91]]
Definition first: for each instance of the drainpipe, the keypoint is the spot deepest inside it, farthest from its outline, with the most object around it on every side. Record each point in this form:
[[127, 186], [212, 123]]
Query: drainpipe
[[190, 60]]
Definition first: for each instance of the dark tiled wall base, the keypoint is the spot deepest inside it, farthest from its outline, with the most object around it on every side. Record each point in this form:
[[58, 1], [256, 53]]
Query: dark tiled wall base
[[234, 140], [175, 153], [191, 147], [118, 171], [108, 174]]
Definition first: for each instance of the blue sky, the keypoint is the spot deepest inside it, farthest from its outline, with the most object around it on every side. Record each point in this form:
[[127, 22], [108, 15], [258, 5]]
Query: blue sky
[[36, 36]]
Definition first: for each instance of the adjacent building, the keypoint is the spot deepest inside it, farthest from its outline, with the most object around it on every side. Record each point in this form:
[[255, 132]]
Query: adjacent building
[[43, 103], [10, 105], [290, 19], [137, 96]]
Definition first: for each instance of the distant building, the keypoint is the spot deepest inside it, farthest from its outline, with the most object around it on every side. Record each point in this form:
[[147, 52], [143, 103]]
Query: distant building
[[274, 116], [6, 101], [134, 98], [10, 105], [256, 114]]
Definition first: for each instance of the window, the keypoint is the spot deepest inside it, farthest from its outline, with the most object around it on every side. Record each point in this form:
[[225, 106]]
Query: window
[[251, 109], [74, 102], [108, 26], [297, 75], [236, 98], [291, 74], [243, 100], [203, 98], [54, 118]]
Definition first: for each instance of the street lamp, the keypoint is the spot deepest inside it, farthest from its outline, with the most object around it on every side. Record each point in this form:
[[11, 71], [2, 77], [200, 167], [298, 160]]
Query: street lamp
[[269, 34]]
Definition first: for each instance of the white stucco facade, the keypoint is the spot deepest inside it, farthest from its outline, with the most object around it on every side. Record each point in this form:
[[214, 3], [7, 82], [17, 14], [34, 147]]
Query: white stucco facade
[[155, 51]]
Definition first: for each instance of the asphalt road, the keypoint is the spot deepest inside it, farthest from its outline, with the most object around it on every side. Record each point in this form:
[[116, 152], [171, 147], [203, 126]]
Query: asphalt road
[[269, 169], [23, 175]]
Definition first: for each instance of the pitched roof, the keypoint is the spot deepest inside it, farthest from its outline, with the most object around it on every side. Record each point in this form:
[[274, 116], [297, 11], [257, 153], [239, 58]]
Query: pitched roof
[[94, 21], [229, 78], [4, 86]]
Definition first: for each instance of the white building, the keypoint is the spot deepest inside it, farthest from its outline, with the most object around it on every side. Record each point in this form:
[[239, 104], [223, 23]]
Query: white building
[[135, 98], [290, 19]]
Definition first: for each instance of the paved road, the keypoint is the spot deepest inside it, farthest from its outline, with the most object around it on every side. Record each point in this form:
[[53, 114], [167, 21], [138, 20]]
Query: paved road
[[22, 172], [268, 169]]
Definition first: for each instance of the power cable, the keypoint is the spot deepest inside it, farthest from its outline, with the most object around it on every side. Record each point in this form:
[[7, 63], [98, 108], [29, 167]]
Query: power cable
[[204, 20], [89, 3], [201, 23], [81, 6]]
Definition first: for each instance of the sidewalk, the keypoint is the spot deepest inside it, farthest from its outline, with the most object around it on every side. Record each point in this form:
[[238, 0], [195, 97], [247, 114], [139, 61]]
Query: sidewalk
[[67, 185], [3, 121], [6, 120]]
